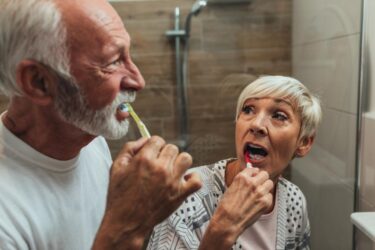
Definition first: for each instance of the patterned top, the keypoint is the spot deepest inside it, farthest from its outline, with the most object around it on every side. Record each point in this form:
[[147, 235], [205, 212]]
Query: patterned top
[[185, 227]]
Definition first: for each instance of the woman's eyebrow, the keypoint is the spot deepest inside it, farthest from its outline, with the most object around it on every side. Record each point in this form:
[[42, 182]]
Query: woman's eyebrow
[[283, 101]]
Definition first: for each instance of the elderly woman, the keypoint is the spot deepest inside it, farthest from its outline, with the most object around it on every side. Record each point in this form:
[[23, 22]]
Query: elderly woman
[[245, 203]]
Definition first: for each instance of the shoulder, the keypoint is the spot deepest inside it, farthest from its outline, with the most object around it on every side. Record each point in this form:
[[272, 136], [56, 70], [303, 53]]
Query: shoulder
[[292, 192]]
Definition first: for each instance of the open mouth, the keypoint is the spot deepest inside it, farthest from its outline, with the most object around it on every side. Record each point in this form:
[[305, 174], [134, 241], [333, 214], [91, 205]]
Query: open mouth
[[254, 152]]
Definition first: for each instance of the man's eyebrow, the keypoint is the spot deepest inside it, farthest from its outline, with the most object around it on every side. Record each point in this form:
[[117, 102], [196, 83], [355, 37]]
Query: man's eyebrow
[[114, 49]]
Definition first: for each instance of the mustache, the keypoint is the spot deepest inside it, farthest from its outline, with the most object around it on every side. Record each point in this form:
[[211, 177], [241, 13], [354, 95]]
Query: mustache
[[125, 96]]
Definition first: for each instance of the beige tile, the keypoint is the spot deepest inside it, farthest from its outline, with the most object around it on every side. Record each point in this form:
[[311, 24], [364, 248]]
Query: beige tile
[[336, 145], [330, 203], [369, 55], [321, 20], [330, 68], [367, 169]]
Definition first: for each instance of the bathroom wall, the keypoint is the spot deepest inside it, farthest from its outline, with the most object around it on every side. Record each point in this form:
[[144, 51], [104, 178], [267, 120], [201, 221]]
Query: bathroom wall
[[325, 56], [367, 160], [226, 40]]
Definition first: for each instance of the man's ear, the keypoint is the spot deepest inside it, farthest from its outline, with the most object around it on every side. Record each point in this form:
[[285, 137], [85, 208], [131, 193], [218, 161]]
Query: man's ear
[[35, 81], [304, 146]]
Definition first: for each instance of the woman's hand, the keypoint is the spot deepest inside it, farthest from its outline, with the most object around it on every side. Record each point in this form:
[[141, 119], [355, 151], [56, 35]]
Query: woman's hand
[[248, 197], [147, 184]]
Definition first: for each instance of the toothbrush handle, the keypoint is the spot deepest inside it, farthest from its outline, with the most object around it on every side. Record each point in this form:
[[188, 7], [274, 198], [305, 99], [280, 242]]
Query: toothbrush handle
[[143, 130]]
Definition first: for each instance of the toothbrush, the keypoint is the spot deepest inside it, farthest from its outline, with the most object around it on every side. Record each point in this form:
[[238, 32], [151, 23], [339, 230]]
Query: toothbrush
[[126, 107], [248, 162]]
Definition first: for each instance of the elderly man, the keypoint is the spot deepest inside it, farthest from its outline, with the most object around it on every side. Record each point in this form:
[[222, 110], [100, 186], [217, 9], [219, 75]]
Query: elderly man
[[65, 66]]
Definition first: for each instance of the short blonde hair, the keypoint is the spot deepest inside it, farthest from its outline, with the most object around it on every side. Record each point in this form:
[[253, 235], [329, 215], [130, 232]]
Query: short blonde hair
[[306, 104]]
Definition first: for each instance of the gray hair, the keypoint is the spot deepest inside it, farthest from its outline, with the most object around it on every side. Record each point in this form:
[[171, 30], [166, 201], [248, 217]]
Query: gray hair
[[307, 105], [30, 29]]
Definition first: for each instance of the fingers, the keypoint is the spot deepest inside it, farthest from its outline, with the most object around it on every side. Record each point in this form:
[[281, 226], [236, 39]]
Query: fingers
[[189, 184], [182, 163], [131, 148], [168, 155], [153, 147], [254, 175]]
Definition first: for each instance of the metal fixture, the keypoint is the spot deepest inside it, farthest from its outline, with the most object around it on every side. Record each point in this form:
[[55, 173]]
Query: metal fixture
[[183, 35]]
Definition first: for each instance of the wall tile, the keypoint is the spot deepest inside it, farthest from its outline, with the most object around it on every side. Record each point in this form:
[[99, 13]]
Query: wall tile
[[335, 145], [330, 203], [330, 68], [367, 171], [321, 19], [325, 57]]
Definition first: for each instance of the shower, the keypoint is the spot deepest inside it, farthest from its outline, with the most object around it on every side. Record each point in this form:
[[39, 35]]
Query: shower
[[182, 36]]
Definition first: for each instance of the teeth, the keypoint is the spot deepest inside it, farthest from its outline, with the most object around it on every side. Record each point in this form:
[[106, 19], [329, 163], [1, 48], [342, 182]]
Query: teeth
[[256, 157]]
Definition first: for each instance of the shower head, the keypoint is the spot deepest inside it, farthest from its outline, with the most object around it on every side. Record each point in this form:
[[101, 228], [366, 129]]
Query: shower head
[[198, 6]]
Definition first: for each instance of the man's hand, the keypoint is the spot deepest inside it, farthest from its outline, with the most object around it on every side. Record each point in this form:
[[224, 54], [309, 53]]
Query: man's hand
[[147, 184], [247, 198]]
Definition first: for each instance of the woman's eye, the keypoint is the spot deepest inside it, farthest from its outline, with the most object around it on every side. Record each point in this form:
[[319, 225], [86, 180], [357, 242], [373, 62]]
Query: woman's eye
[[280, 116], [247, 109]]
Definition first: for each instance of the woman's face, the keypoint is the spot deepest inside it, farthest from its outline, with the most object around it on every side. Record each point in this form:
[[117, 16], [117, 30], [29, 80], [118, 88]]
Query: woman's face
[[267, 134]]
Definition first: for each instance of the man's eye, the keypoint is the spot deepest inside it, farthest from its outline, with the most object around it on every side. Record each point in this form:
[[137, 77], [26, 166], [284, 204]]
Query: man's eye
[[280, 116], [247, 109], [118, 62]]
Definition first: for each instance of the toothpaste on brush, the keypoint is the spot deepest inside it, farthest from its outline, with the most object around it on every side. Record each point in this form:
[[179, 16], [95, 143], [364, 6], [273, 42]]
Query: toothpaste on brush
[[248, 165], [126, 107], [247, 159]]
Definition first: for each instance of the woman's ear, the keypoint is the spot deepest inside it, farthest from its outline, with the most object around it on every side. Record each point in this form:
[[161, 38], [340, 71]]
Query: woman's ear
[[35, 81], [304, 146]]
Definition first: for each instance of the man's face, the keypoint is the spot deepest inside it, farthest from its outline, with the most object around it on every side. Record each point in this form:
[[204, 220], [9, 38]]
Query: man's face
[[101, 66]]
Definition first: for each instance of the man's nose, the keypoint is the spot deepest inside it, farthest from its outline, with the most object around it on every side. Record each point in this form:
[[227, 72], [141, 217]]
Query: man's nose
[[133, 80], [258, 125]]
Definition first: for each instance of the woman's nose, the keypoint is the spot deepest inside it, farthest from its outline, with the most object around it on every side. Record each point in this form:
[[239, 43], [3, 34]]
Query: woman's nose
[[258, 126]]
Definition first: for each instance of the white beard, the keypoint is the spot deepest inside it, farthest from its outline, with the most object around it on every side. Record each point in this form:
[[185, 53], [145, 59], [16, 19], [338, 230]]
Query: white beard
[[72, 107]]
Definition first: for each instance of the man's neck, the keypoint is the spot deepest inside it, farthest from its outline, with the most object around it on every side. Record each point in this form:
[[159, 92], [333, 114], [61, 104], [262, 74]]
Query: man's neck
[[43, 129]]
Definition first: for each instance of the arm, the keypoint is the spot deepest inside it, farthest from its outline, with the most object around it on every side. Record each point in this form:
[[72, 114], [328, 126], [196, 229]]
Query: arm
[[147, 184], [242, 204]]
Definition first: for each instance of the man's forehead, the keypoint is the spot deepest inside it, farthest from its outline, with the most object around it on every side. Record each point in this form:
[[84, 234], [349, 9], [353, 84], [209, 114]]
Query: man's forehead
[[99, 12], [94, 26]]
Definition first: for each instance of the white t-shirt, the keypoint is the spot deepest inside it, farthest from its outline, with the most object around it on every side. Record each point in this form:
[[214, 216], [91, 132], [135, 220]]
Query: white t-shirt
[[262, 234], [47, 203]]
